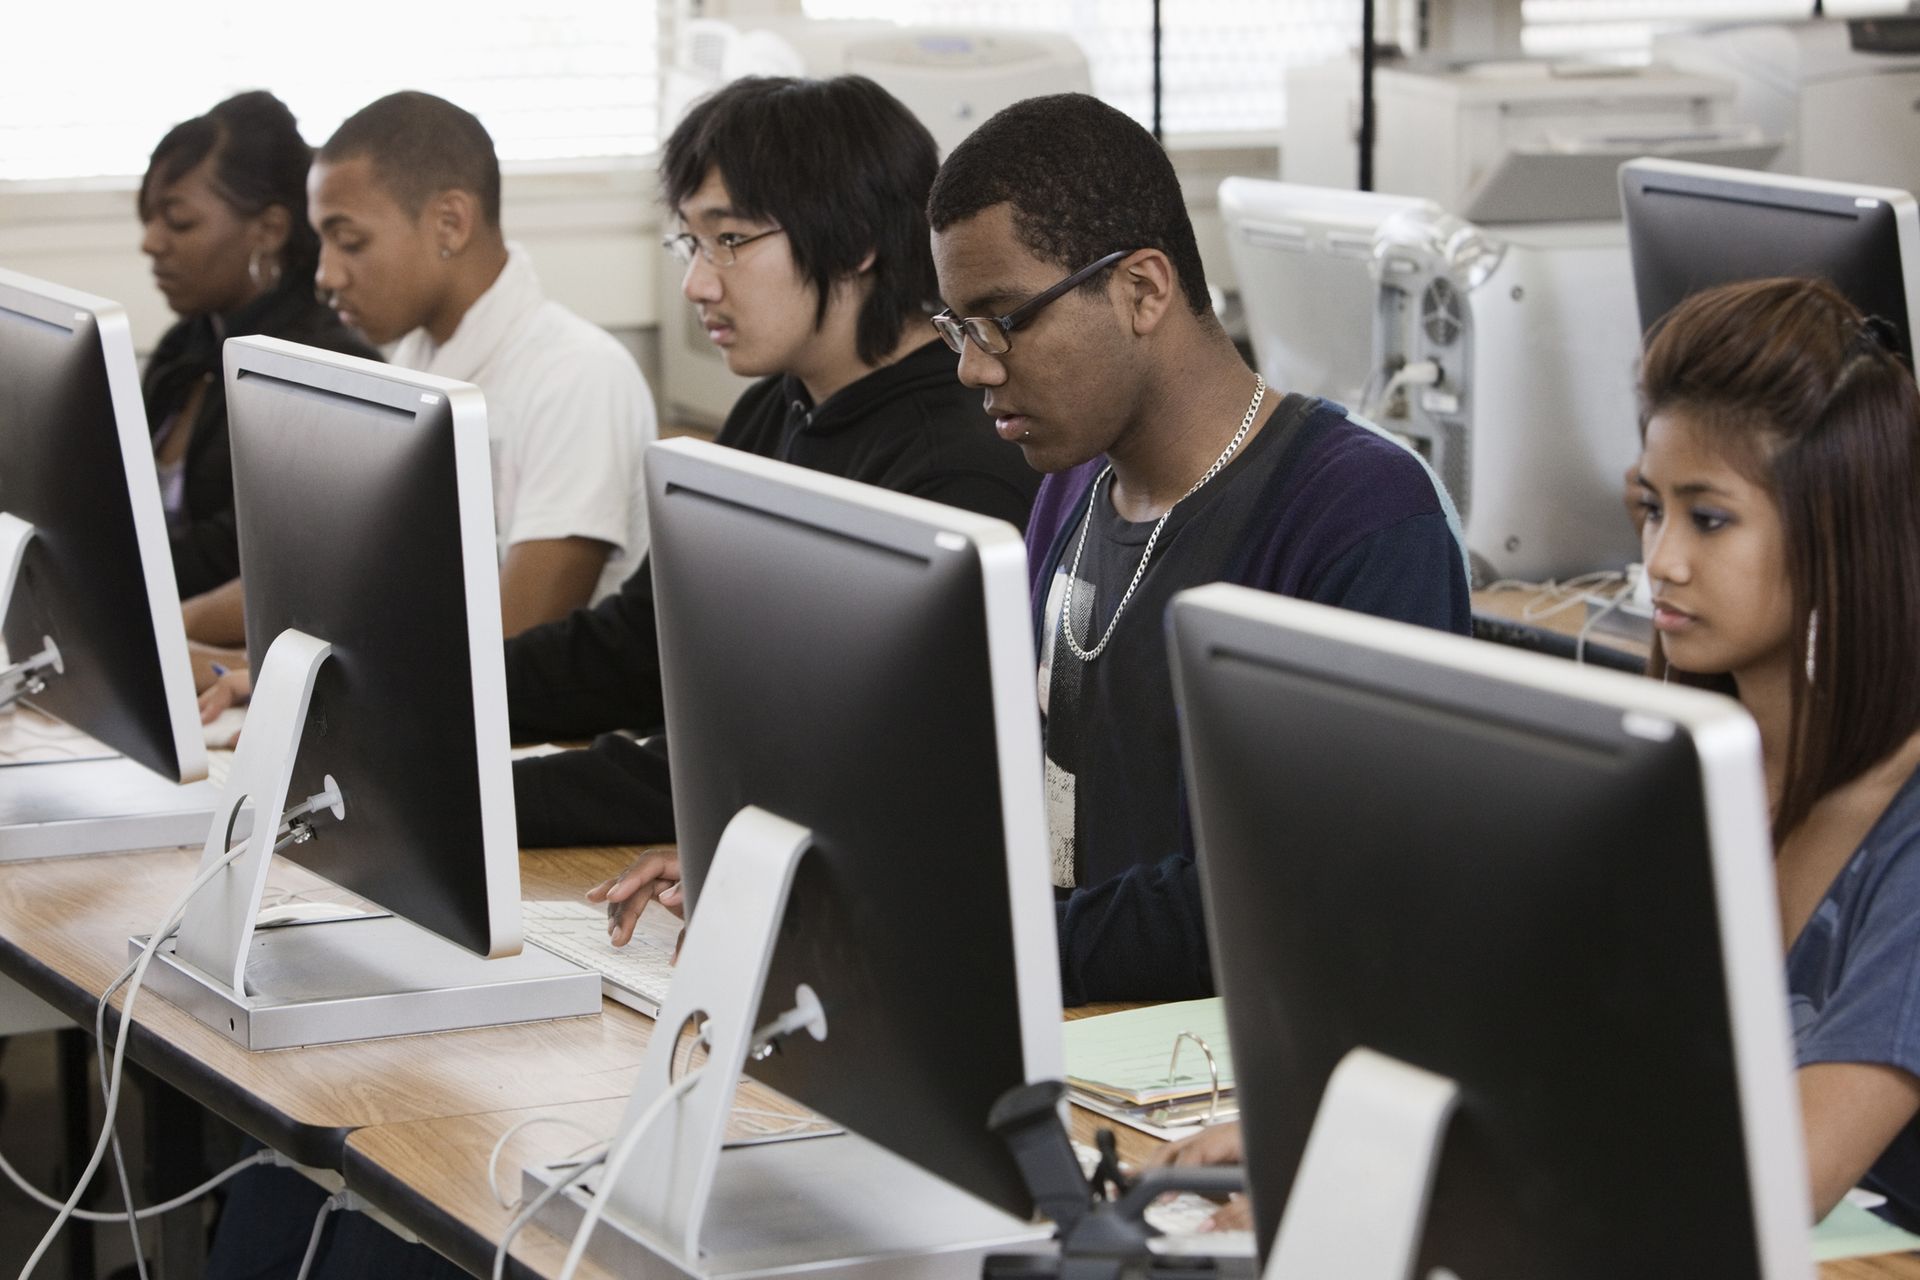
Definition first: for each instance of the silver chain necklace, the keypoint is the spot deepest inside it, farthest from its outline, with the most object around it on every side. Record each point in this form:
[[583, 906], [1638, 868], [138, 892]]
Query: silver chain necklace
[[1073, 573]]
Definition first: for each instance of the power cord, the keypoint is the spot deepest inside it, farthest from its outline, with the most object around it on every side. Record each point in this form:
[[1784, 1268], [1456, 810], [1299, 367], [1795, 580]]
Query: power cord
[[1418, 373], [616, 1161], [807, 1014], [296, 830], [338, 1200], [185, 1198]]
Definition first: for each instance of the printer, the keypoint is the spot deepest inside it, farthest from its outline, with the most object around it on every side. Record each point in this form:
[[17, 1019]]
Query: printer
[[1521, 140], [1493, 298], [1844, 94]]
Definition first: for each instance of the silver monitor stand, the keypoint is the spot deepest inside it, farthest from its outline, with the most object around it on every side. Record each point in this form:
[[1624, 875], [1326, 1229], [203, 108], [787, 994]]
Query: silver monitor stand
[[333, 980], [685, 1205], [100, 802]]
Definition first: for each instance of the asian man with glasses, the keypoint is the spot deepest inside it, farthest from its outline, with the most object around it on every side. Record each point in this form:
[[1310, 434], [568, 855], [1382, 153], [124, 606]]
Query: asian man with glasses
[[803, 241]]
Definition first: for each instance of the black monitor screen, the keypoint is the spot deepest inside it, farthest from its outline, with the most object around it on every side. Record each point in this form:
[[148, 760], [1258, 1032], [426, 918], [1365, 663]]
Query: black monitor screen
[[1694, 227], [64, 470]]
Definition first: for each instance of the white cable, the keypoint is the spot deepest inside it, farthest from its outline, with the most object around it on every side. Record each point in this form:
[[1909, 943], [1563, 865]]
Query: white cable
[[327, 1206], [185, 1198], [1420, 373], [616, 1161], [133, 976], [538, 1203], [120, 1172], [493, 1158]]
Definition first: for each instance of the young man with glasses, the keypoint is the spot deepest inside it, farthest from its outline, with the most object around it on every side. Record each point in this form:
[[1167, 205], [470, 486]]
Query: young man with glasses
[[803, 239], [1080, 307]]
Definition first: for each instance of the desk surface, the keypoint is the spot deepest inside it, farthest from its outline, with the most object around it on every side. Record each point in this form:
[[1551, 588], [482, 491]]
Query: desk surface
[[64, 926], [388, 1113], [403, 1170]]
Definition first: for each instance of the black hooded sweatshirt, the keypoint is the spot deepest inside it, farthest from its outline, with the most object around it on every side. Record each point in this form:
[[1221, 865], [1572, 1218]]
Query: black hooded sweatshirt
[[910, 427]]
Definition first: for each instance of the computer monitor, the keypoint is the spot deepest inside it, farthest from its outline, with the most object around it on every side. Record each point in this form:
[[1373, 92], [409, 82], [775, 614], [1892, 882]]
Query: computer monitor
[[1693, 226], [1305, 259], [859, 664], [1548, 887], [363, 500], [87, 586]]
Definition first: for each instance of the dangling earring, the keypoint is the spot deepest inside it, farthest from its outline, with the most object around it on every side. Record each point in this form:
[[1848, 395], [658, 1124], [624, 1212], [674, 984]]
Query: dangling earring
[[1813, 637], [263, 280]]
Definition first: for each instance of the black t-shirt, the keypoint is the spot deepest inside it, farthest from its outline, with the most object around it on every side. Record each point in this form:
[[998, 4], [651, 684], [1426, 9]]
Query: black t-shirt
[[1113, 747]]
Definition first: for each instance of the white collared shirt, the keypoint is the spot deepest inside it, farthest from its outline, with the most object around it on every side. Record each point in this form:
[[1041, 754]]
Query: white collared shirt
[[568, 415]]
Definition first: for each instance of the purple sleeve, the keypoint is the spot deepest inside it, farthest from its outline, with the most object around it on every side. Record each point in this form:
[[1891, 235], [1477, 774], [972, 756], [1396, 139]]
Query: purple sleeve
[[1054, 509]]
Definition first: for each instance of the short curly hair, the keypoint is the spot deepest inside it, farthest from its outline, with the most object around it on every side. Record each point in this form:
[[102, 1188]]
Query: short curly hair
[[420, 146], [1083, 179]]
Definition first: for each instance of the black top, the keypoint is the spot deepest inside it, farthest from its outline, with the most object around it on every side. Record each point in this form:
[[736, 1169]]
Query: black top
[[910, 427], [206, 552], [1318, 506]]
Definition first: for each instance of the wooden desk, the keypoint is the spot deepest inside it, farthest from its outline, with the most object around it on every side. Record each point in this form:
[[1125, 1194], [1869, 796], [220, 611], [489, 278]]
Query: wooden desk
[[408, 1121], [405, 1171], [64, 926], [1514, 604]]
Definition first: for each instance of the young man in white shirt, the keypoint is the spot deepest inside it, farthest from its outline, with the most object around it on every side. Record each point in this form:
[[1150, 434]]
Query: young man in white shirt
[[406, 197]]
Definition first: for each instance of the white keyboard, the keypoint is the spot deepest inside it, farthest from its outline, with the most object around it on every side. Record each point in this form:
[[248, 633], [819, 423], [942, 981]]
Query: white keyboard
[[636, 975]]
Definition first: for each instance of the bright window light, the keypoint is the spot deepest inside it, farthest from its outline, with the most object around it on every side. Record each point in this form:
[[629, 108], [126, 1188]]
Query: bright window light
[[550, 79], [1221, 62]]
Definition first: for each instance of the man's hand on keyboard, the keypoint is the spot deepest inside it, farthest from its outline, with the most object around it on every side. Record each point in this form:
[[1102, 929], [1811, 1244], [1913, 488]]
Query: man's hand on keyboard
[[1219, 1144], [654, 877]]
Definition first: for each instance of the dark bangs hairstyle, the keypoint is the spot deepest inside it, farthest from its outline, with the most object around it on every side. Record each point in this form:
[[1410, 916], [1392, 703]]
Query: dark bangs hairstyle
[[1803, 395], [842, 167], [420, 146], [1084, 181], [259, 160]]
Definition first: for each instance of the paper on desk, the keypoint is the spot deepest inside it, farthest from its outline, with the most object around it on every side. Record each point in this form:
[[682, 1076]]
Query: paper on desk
[[1124, 1056], [1853, 1232], [31, 736]]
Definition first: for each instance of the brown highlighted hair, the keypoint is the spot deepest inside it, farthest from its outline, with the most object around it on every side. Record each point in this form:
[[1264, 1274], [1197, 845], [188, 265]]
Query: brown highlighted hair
[[1805, 397]]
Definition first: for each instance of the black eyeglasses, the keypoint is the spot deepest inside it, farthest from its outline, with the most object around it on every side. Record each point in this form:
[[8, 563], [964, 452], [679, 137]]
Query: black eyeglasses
[[994, 334], [719, 250]]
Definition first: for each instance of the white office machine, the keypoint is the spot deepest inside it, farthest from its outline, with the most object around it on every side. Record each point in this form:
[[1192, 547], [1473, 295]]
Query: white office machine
[[1505, 355], [1842, 93], [1304, 257], [1522, 140], [951, 79]]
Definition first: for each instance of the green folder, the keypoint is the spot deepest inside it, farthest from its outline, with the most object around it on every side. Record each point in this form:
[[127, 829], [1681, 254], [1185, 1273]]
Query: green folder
[[1852, 1232], [1123, 1057]]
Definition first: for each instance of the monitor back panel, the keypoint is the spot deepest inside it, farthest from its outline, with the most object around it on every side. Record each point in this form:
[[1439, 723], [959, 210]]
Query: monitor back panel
[[349, 508], [1692, 227], [1496, 884], [62, 469], [829, 663]]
